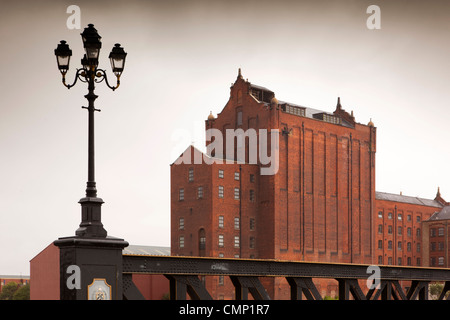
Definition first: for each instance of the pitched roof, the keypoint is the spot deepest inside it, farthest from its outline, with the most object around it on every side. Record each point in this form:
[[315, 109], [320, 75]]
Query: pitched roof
[[147, 250], [407, 199], [444, 214]]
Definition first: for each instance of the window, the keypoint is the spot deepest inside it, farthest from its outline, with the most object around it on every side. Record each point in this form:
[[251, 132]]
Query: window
[[399, 216], [389, 229], [408, 246], [236, 193], [418, 218], [389, 215], [380, 259], [181, 241], [380, 228], [418, 232], [221, 174], [399, 246], [432, 232], [408, 217], [236, 223], [181, 195], [239, 118], [399, 230], [409, 232], [380, 244], [433, 261], [220, 283], [181, 224], [418, 262], [221, 240], [220, 191], [390, 245], [191, 174], [252, 178], [418, 247], [200, 192], [390, 261], [441, 246], [201, 239], [220, 221], [441, 261], [380, 214], [252, 223], [252, 195], [440, 232], [236, 241], [409, 261], [433, 246], [236, 176], [252, 243], [399, 261]]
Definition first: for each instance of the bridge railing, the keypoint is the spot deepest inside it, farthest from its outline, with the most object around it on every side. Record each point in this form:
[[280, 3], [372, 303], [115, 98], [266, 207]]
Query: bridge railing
[[183, 274]]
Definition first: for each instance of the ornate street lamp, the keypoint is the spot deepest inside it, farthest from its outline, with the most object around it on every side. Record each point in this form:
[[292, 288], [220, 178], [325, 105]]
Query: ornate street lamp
[[89, 73]]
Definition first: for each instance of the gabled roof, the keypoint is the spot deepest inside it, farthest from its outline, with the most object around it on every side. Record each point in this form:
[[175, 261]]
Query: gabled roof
[[444, 214]]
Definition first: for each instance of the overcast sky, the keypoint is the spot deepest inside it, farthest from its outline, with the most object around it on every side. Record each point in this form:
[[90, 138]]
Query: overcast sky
[[182, 58]]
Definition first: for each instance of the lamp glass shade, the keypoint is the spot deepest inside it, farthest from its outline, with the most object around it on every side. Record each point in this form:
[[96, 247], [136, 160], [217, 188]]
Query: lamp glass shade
[[117, 58], [63, 54], [91, 44]]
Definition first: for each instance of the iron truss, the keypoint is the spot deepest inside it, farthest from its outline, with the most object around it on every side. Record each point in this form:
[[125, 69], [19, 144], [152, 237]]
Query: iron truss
[[183, 274]]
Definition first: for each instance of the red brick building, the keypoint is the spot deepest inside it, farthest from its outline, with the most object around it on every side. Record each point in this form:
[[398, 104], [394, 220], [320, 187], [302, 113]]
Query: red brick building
[[319, 204]]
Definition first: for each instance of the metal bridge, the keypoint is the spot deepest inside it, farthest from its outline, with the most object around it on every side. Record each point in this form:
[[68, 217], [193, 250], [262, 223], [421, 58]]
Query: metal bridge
[[245, 274]]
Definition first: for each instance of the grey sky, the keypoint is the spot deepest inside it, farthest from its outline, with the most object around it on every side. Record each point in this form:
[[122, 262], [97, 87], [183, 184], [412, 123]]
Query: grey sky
[[182, 58]]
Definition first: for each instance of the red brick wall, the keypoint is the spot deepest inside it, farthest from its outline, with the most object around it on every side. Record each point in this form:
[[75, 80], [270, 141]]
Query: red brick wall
[[44, 271], [417, 214]]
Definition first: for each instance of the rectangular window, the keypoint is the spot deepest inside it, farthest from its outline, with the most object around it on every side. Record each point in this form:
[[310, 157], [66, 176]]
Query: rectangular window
[[220, 191], [441, 261], [221, 240], [181, 224], [252, 178], [236, 223], [380, 214], [380, 228], [418, 247], [399, 216], [236, 176], [252, 223], [181, 242], [221, 174], [252, 195], [389, 215], [236, 193], [440, 232], [252, 243], [236, 241], [220, 221], [399, 245], [181, 195], [191, 174], [418, 219], [432, 232], [200, 192], [389, 229], [380, 244], [390, 245], [399, 230]]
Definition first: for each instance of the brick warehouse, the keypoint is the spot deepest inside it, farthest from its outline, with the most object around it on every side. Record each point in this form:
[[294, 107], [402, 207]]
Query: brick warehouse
[[321, 205]]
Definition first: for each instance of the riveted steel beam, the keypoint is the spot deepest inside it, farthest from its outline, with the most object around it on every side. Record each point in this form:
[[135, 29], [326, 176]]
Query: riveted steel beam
[[305, 286]]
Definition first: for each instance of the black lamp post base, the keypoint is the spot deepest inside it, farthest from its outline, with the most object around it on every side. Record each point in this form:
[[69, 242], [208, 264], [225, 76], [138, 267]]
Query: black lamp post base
[[91, 223], [99, 265]]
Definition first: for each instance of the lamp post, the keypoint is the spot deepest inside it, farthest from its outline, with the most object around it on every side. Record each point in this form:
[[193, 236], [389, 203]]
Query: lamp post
[[91, 225], [97, 255]]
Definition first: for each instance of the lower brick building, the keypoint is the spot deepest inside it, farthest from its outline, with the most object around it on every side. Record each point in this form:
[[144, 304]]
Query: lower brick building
[[316, 203]]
